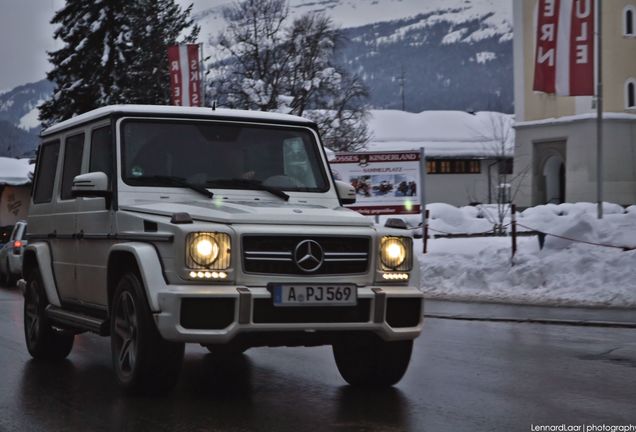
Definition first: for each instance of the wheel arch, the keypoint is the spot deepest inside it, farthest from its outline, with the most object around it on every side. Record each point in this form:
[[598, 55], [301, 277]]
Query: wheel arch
[[38, 256], [141, 258]]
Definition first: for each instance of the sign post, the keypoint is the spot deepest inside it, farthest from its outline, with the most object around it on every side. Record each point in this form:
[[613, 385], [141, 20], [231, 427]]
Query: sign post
[[423, 199]]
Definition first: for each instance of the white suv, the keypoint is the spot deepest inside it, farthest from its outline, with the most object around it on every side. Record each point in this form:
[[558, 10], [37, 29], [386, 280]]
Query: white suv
[[158, 226]]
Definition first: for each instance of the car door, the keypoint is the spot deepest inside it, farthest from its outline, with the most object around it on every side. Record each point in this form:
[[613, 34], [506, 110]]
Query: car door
[[64, 219], [95, 224], [50, 223]]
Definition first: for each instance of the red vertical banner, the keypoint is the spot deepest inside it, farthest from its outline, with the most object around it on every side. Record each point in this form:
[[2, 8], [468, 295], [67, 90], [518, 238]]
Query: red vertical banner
[[546, 46], [582, 49], [194, 75], [174, 67], [185, 75]]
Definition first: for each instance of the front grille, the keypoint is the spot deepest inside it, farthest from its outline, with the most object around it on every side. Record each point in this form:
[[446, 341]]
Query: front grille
[[266, 313], [275, 254]]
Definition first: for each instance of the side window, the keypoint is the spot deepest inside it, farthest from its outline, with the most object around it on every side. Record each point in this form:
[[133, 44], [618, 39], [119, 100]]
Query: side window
[[73, 151], [47, 165], [102, 152]]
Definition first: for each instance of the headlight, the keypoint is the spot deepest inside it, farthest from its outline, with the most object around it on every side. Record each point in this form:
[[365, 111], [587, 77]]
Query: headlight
[[208, 251], [396, 253]]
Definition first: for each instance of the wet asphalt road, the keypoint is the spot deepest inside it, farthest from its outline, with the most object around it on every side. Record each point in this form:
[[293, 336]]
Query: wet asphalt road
[[464, 376]]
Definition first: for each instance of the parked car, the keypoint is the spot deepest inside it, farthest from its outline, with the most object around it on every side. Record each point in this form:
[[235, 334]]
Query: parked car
[[145, 227], [11, 254]]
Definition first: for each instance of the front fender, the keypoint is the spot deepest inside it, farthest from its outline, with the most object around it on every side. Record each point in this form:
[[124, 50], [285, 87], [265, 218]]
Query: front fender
[[150, 269], [39, 254]]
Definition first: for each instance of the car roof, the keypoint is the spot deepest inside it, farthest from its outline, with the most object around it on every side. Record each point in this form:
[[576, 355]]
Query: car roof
[[175, 112]]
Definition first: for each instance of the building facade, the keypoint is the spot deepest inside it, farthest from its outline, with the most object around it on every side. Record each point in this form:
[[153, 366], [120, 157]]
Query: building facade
[[555, 145]]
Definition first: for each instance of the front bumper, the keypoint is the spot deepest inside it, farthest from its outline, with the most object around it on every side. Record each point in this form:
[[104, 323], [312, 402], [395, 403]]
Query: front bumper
[[219, 314]]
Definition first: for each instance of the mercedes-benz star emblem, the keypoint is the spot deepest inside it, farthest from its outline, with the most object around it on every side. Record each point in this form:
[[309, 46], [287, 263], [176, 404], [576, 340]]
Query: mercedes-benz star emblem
[[308, 255]]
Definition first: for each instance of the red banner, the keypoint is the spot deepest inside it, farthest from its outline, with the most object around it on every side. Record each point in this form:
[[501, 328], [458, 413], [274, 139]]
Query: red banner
[[185, 76], [564, 59], [582, 49], [546, 43]]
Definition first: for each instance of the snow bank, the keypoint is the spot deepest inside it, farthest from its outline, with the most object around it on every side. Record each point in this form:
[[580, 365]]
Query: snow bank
[[564, 272]]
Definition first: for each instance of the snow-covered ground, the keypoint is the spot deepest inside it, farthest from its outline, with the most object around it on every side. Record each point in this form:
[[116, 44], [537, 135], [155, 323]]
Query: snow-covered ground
[[564, 272]]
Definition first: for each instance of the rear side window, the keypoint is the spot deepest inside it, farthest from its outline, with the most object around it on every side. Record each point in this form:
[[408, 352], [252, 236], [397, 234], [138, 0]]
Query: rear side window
[[102, 152], [47, 165], [73, 150]]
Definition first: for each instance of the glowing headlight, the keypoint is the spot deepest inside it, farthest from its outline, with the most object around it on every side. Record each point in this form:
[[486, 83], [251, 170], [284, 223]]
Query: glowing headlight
[[395, 253], [208, 250]]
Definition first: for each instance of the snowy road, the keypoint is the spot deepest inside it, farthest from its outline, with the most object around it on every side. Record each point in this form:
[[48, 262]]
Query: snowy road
[[464, 376]]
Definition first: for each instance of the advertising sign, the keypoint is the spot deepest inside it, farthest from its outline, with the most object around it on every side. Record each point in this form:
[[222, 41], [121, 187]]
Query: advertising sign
[[185, 80], [386, 183], [14, 204]]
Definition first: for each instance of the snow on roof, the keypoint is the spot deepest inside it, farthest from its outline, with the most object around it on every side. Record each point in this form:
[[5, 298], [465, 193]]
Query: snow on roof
[[578, 117], [171, 111], [442, 133], [15, 172]]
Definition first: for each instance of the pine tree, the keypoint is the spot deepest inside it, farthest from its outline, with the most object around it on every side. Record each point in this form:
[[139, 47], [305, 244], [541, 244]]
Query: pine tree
[[114, 52]]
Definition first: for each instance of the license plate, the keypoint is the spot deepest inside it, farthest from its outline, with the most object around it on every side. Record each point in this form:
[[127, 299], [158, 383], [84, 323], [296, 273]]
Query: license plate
[[315, 295]]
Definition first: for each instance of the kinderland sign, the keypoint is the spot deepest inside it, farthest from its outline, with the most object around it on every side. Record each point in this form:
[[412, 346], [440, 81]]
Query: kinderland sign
[[385, 182]]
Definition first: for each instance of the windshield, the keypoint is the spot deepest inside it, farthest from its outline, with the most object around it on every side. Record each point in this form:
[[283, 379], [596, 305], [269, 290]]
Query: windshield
[[221, 155]]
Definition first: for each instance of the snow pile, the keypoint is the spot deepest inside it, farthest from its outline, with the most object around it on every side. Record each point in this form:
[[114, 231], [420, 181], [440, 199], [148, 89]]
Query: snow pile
[[562, 273], [15, 172], [442, 133]]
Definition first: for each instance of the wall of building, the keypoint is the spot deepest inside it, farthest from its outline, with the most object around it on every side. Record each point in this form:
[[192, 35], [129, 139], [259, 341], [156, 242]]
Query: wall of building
[[619, 64], [461, 189], [576, 142]]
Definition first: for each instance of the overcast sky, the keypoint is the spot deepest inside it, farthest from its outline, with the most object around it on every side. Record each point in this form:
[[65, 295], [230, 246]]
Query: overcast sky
[[26, 36]]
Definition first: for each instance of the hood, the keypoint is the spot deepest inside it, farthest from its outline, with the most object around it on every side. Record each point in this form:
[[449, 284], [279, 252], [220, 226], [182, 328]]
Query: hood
[[253, 212]]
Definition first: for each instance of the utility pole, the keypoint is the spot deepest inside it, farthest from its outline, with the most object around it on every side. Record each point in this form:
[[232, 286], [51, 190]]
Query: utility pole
[[599, 110], [402, 80]]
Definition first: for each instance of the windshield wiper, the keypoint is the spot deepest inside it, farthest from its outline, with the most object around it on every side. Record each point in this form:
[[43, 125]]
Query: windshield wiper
[[177, 181], [247, 184]]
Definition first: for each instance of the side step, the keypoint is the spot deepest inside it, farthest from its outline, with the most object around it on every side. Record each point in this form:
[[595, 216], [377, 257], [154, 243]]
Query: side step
[[77, 320]]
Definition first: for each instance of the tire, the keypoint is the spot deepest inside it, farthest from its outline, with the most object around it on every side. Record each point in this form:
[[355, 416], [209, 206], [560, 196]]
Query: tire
[[372, 362], [144, 362], [43, 340]]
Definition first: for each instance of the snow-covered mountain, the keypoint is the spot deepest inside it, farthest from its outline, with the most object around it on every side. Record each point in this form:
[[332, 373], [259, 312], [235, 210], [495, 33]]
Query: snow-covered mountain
[[455, 54], [19, 125]]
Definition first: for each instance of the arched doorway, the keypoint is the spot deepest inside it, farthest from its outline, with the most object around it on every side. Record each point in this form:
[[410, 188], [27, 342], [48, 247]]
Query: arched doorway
[[554, 173]]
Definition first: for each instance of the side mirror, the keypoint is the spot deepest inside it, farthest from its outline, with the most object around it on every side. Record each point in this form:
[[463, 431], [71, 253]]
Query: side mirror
[[94, 184], [346, 192]]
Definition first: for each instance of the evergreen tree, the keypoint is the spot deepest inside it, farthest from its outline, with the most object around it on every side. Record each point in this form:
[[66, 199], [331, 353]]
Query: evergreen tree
[[114, 52]]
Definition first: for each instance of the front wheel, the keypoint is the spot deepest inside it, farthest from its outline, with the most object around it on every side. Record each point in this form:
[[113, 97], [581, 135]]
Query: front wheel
[[143, 361], [372, 362], [43, 340]]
